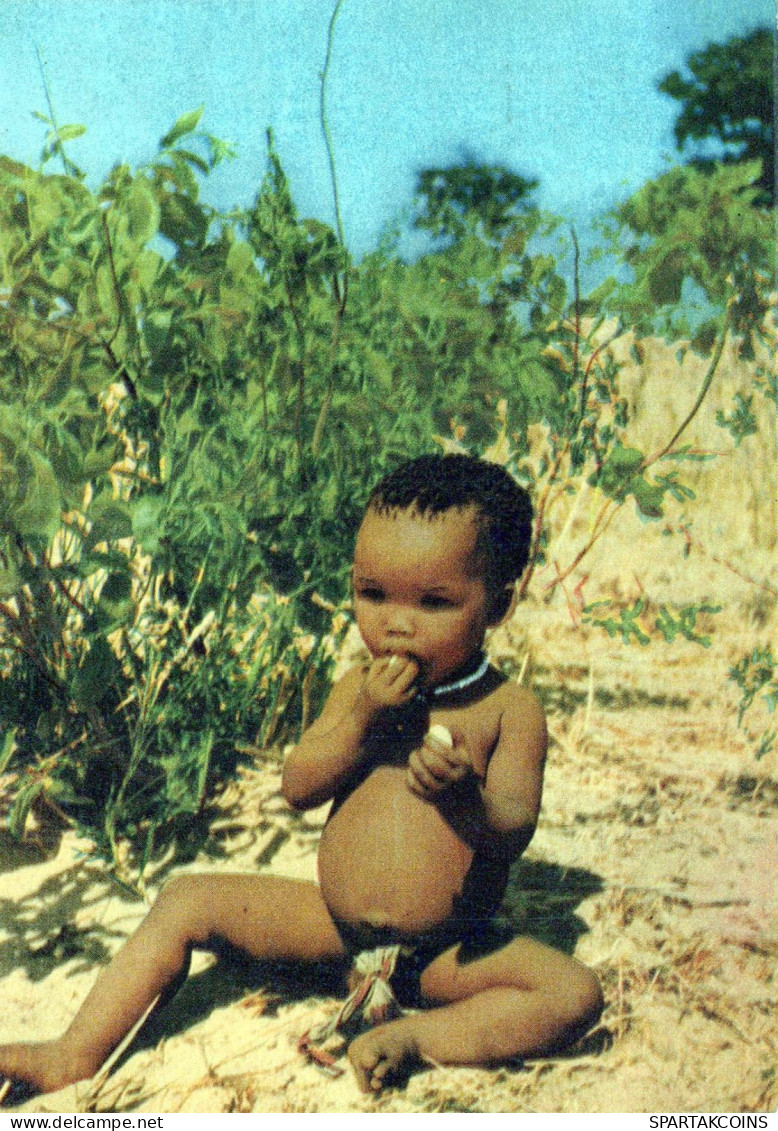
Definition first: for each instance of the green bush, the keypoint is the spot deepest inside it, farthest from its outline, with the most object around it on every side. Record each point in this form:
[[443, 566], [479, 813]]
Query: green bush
[[193, 407]]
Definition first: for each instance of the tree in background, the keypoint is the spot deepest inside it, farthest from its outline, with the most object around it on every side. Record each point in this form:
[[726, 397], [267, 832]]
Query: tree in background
[[451, 199], [728, 96]]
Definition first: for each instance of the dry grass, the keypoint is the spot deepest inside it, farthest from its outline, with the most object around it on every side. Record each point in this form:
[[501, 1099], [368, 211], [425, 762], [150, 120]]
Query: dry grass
[[656, 861]]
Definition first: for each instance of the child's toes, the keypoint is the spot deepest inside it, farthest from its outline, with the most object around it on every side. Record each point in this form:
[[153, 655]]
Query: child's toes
[[363, 1060], [378, 1056]]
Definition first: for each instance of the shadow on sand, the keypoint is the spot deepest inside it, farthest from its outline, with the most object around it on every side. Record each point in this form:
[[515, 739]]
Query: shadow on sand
[[542, 898], [540, 901]]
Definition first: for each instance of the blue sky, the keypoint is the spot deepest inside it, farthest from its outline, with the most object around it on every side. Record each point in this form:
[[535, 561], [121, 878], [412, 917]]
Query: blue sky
[[563, 90]]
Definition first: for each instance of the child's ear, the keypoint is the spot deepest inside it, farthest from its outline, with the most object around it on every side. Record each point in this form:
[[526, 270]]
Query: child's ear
[[503, 605]]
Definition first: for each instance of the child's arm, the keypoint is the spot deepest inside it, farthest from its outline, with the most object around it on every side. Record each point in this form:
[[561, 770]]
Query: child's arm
[[332, 747], [510, 793], [513, 787]]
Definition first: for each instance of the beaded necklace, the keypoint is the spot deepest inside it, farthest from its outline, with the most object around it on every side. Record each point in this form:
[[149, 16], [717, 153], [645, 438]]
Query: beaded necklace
[[465, 681]]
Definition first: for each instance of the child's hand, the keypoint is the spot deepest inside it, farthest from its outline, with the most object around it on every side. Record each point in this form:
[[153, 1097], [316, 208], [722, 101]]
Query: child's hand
[[389, 681], [437, 764]]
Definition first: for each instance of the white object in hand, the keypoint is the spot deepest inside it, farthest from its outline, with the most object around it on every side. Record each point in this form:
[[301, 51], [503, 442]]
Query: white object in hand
[[441, 734]]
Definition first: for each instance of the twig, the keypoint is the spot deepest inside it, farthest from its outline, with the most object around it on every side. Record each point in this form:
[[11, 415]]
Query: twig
[[102, 1075], [577, 324], [325, 121], [540, 511], [704, 389], [127, 381], [601, 524], [50, 104], [744, 576], [340, 290]]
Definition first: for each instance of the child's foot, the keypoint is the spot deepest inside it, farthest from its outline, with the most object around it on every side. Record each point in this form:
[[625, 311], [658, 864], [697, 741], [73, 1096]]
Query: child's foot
[[379, 1055], [39, 1067]]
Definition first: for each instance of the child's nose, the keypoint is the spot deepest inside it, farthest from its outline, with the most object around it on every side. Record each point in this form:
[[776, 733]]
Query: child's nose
[[399, 622]]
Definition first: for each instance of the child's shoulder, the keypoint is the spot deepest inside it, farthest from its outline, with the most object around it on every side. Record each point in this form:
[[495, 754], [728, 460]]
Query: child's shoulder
[[510, 693], [518, 704]]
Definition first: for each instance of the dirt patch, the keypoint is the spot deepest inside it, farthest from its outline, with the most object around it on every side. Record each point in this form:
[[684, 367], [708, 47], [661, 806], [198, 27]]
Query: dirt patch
[[655, 861]]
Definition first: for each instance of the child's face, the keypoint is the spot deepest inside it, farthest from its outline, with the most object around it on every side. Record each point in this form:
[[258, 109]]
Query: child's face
[[417, 589]]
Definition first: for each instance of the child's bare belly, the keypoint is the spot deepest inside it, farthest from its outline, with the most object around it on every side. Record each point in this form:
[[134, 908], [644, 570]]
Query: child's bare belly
[[388, 858]]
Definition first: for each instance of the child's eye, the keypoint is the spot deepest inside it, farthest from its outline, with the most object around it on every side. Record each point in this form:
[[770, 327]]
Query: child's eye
[[433, 601], [369, 593]]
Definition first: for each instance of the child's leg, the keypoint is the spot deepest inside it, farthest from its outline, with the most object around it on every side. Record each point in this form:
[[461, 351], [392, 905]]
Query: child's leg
[[523, 999], [266, 916]]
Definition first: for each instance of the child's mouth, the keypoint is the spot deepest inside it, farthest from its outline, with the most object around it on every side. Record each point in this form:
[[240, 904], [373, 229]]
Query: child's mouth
[[419, 680]]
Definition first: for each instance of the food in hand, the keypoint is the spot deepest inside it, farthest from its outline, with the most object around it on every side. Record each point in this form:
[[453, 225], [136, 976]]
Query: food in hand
[[441, 734]]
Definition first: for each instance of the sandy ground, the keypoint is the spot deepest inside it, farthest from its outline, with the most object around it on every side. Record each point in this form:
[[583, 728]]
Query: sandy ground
[[656, 861]]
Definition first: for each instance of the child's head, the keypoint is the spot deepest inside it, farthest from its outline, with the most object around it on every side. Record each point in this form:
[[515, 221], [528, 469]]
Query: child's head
[[443, 540], [431, 485]]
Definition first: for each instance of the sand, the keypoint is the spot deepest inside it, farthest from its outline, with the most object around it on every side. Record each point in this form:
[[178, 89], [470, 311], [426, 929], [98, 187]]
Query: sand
[[655, 861]]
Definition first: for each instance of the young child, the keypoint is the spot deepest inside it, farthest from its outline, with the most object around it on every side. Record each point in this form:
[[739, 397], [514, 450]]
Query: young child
[[434, 763]]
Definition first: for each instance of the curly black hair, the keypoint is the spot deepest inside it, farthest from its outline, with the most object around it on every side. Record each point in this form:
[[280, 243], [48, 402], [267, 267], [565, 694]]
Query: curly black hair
[[435, 483]]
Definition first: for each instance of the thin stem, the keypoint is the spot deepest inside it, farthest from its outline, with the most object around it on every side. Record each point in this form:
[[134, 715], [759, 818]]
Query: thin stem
[[540, 512], [325, 125], [298, 410], [577, 322], [339, 289], [705, 387], [107, 346], [601, 524], [50, 104]]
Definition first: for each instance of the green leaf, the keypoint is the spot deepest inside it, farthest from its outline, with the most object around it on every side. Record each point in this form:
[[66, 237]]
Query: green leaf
[[7, 748], [10, 583], [142, 212], [68, 133], [540, 387], [23, 802], [648, 496], [118, 586], [116, 597], [156, 330], [665, 281], [110, 521], [240, 259], [92, 680], [41, 511], [146, 514], [182, 220], [100, 460], [615, 476], [705, 337], [185, 124]]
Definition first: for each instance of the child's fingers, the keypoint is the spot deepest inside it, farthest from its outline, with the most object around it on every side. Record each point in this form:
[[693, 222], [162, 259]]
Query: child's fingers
[[454, 755], [435, 762], [434, 766], [428, 774], [389, 679], [401, 669], [363, 1073], [398, 674], [420, 778]]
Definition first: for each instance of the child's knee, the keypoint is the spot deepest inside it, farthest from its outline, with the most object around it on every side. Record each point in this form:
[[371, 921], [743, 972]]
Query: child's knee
[[583, 998], [178, 909]]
